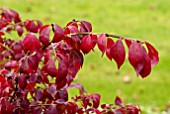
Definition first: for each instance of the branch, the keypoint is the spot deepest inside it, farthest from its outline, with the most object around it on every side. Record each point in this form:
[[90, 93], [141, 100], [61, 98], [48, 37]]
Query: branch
[[107, 35], [6, 48], [42, 105]]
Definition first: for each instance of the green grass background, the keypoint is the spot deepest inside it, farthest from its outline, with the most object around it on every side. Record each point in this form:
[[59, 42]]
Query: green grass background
[[141, 19]]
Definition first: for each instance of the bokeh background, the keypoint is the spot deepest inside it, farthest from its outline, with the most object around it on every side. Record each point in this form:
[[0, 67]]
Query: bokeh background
[[140, 19]]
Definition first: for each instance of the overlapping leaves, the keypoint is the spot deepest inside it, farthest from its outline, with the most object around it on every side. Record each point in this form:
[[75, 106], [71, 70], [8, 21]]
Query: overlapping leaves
[[42, 65]]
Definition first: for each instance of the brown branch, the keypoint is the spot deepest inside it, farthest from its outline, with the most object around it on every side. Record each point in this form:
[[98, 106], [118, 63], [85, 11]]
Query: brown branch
[[42, 105], [6, 48], [107, 35]]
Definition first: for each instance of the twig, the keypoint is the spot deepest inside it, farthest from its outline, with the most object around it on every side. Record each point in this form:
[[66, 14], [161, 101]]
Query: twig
[[107, 35]]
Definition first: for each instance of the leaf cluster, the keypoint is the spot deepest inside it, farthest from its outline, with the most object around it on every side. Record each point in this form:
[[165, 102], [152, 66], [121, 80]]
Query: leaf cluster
[[37, 69]]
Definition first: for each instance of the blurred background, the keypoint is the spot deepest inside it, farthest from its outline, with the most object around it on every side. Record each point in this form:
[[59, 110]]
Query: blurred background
[[140, 19]]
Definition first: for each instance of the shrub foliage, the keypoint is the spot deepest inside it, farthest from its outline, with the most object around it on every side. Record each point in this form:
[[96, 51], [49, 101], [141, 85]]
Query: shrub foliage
[[37, 69]]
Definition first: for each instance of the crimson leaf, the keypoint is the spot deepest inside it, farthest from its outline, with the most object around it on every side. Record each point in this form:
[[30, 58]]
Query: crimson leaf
[[110, 43], [6, 106], [73, 29], [118, 101], [96, 100], [44, 35], [24, 67], [153, 54], [31, 43], [58, 33], [52, 90], [101, 42], [31, 26], [22, 81], [117, 52], [86, 25], [19, 30], [128, 42], [62, 66], [147, 64], [136, 57], [79, 86], [86, 44], [50, 67], [52, 110]]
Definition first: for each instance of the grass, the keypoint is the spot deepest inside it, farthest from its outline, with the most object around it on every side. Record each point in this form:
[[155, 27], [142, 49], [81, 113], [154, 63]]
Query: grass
[[142, 19]]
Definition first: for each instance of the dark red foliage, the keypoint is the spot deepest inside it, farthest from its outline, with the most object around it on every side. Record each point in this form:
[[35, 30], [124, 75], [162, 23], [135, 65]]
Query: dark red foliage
[[117, 52], [86, 26], [147, 65], [136, 57], [58, 33], [128, 42], [87, 44], [19, 30], [50, 68], [102, 43], [37, 71], [45, 35], [33, 26], [31, 43], [153, 54], [110, 43], [118, 101]]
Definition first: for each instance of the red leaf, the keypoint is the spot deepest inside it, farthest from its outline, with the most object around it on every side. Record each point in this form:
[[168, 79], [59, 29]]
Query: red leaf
[[110, 43], [30, 86], [50, 67], [61, 84], [86, 25], [153, 54], [75, 62], [82, 28], [136, 57], [147, 65], [118, 101], [79, 86], [58, 33], [1, 33], [101, 42], [52, 90], [63, 94], [94, 40], [17, 47], [31, 26], [86, 44], [118, 53], [31, 43], [10, 64], [6, 106], [19, 30], [15, 16], [45, 35], [39, 94], [3, 81], [39, 23], [73, 29], [24, 67], [128, 42], [72, 108], [62, 66], [51, 110], [72, 23], [96, 100], [33, 62], [22, 81]]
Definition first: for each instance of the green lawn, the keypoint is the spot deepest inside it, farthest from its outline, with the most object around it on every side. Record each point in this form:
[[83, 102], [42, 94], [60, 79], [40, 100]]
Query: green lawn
[[141, 19]]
